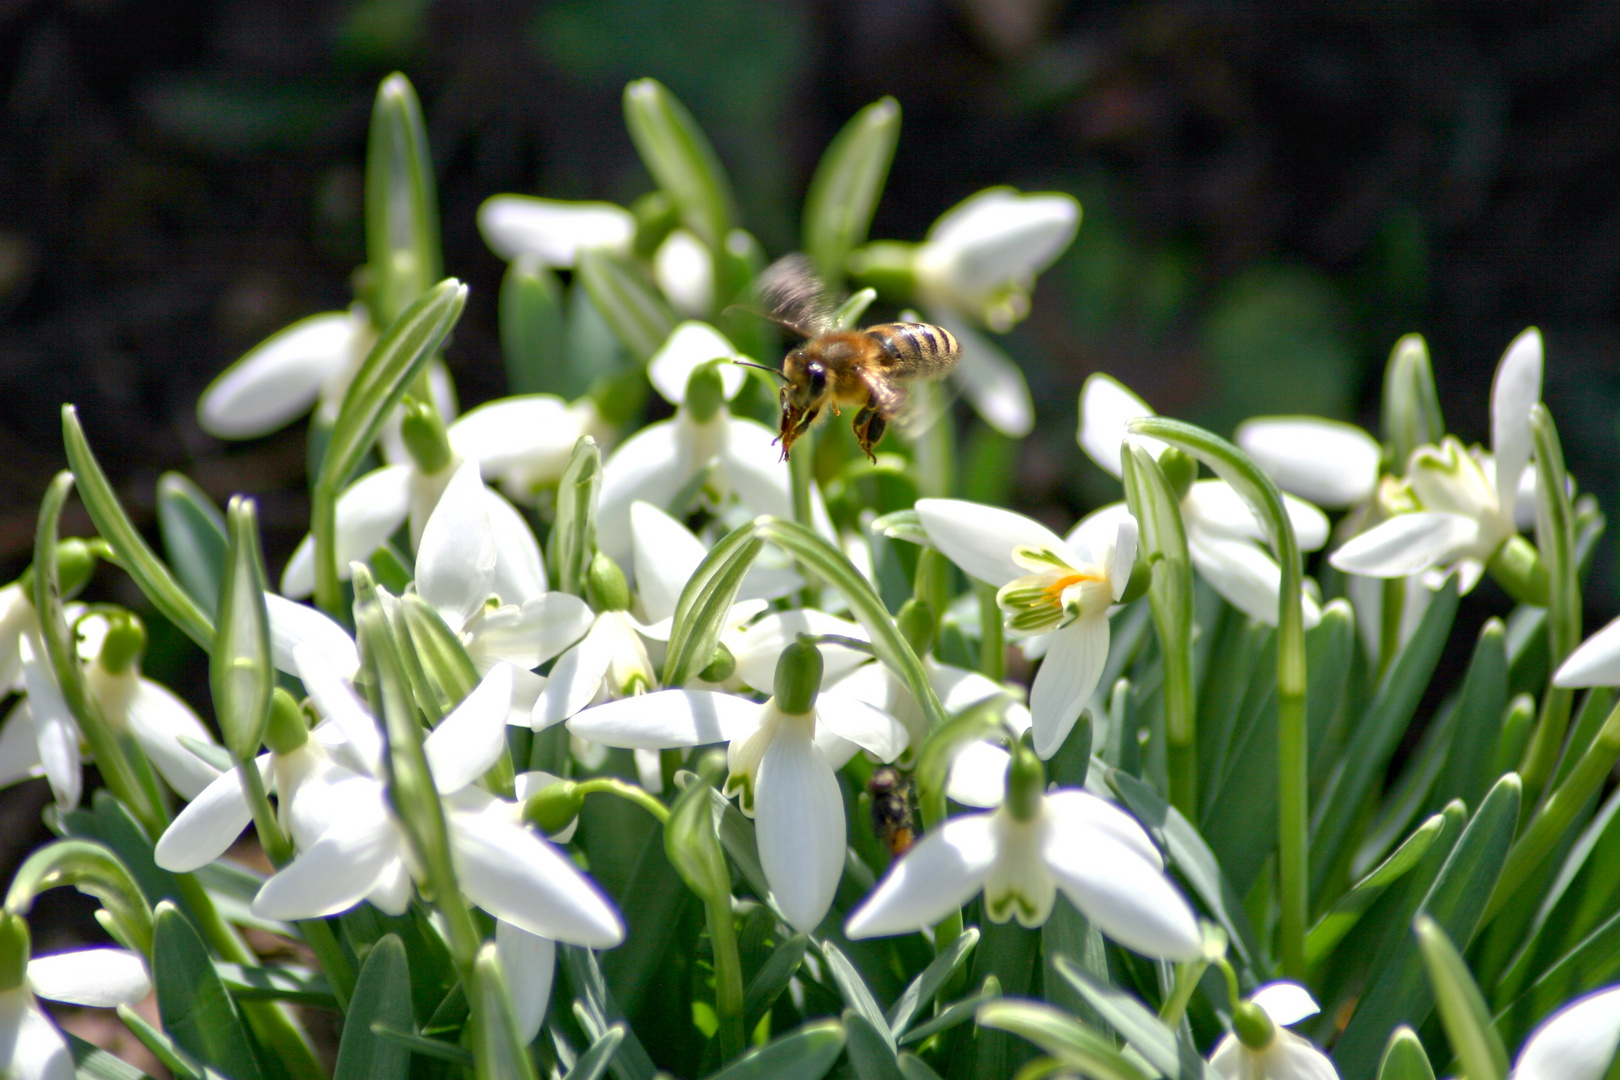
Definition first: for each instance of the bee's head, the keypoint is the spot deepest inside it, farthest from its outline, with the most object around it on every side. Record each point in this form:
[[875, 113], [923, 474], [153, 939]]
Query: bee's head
[[805, 384]]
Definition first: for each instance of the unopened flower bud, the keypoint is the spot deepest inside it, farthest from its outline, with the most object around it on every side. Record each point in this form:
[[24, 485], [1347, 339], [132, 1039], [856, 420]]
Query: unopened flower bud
[[285, 731], [14, 947], [605, 587], [425, 437], [705, 392], [798, 678], [121, 649], [1252, 1026], [74, 563], [721, 667], [1026, 781], [916, 622], [552, 807], [1180, 469]]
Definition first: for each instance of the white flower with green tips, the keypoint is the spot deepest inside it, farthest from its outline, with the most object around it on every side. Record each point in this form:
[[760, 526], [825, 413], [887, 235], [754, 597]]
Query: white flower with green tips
[[1047, 585], [1262, 1048]]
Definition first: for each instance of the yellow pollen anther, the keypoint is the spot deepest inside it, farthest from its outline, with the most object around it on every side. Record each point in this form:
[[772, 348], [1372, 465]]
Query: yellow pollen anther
[[1055, 591]]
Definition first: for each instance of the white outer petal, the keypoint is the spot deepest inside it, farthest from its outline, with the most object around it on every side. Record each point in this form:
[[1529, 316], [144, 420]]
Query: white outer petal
[[978, 775], [279, 379], [1407, 544], [1576, 1042], [1128, 898], [991, 381], [1595, 663], [534, 432], [667, 719], [1098, 531], [1245, 576], [665, 553], [530, 635], [575, 678], [158, 719], [520, 573], [1331, 463], [552, 229], [1106, 405], [334, 874], [651, 466], [688, 347], [55, 733], [758, 648], [1067, 679], [980, 539], [31, 1048], [754, 467], [469, 741], [1516, 387], [99, 978], [337, 701], [368, 513], [1000, 235], [293, 624], [1285, 1002], [684, 270], [529, 962], [1213, 506], [209, 824], [799, 820], [934, 878], [19, 748], [867, 726], [455, 561], [1079, 813], [1296, 1058]]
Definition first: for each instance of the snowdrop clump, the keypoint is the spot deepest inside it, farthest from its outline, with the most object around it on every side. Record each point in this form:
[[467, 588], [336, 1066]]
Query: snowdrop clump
[[573, 744]]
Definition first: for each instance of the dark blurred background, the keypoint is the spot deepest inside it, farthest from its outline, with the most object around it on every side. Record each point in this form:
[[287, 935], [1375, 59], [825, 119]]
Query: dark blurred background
[[1273, 193]]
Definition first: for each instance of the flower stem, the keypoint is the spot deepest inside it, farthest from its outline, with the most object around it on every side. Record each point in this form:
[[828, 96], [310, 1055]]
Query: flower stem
[[728, 980], [992, 636], [323, 527], [271, 838], [1390, 610], [611, 785], [1187, 976]]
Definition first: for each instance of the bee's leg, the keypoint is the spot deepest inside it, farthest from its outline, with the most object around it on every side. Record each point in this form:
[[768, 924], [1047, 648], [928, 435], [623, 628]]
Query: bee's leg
[[869, 428]]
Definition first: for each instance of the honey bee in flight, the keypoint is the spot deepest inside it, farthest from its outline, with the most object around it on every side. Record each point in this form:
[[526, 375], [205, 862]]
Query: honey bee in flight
[[866, 370]]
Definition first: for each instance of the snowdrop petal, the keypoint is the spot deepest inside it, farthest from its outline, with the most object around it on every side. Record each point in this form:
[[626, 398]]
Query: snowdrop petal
[[1285, 1002], [1214, 507], [1067, 679], [334, 874], [799, 820], [980, 539], [530, 635], [1228, 1058], [554, 230], [210, 823], [520, 574], [959, 689], [158, 719], [650, 466], [1407, 544], [1576, 1043], [531, 432], [337, 701], [1121, 556], [684, 270], [868, 727], [1516, 388], [1595, 663], [754, 467], [665, 554], [455, 562], [1296, 1059], [469, 741], [55, 734], [667, 719], [575, 679], [529, 961], [99, 978], [978, 775], [1098, 532], [519, 878], [758, 648], [688, 347], [1106, 406], [36, 1050], [1001, 235], [279, 379], [991, 381], [1128, 898], [1330, 463], [368, 513], [1080, 813], [293, 624], [1245, 576], [19, 748], [937, 876]]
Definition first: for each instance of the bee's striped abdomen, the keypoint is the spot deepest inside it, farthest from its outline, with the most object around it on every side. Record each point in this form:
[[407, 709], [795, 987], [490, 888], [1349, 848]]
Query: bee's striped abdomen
[[916, 350]]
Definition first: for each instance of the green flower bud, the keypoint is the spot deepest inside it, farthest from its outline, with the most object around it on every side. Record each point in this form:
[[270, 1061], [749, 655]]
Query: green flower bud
[[1180, 469], [1518, 568], [1411, 406], [14, 946], [425, 437], [721, 667], [889, 266], [705, 392], [916, 622], [74, 563], [286, 730], [552, 807], [798, 678], [690, 841], [1026, 782], [605, 587], [1252, 1026], [121, 649]]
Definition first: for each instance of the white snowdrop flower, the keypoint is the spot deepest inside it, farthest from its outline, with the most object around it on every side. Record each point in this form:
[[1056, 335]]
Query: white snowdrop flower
[[1575, 1043], [684, 270], [608, 663], [1328, 462], [666, 553], [1047, 585], [1224, 538], [782, 757], [282, 377], [1466, 498], [31, 1047], [1021, 854], [1279, 1053], [17, 617], [553, 230]]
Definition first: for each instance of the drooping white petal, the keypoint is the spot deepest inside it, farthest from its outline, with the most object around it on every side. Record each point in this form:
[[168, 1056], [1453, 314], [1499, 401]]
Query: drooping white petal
[[55, 733], [529, 961], [519, 878], [666, 553], [937, 876], [799, 821], [1407, 544], [279, 379], [1067, 679], [1515, 389], [758, 648], [293, 624], [19, 748], [1078, 813], [99, 978], [455, 562], [991, 381], [30, 1046], [684, 270], [866, 726], [467, 743], [520, 574], [368, 513], [337, 701], [534, 432], [650, 466], [209, 824], [1245, 576], [554, 230], [754, 468], [335, 873], [530, 635], [575, 678], [1331, 463], [978, 775], [1228, 1058], [1595, 663], [1296, 1059], [158, 719], [1098, 532], [1000, 235], [1128, 898], [1106, 406], [1285, 1002], [1576, 1043], [688, 347], [1214, 507], [667, 719], [1121, 556], [980, 539]]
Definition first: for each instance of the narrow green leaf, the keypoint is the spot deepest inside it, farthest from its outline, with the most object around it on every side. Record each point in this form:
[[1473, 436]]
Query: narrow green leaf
[[498, 1048], [598, 1012], [855, 993], [680, 159], [1331, 928], [598, 1056], [847, 316], [913, 1067], [134, 556], [1329, 656], [921, 990], [1462, 1007], [197, 1011], [300, 986], [170, 1056], [533, 340], [240, 673], [1478, 718], [737, 837], [445, 665], [1405, 1058], [628, 300], [804, 1054], [1138, 1026], [572, 542], [772, 979], [437, 1049], [902, 525], [844, 192], [194, 538], [90, 1062], [704, 603], [872, 1056], [1060, 1035], [382, 995], [92, 869], [957, 1012], [402, 212]]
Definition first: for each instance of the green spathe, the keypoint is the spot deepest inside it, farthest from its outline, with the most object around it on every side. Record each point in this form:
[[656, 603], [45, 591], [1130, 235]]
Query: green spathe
[[798, 678]]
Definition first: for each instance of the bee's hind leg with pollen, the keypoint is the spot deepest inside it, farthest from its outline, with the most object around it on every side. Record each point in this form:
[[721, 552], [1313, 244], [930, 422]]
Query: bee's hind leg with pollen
[[869, 427]]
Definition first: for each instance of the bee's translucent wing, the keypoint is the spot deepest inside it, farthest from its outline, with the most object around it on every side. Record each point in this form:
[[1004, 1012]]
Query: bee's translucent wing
[[791, 294], [928, 401]]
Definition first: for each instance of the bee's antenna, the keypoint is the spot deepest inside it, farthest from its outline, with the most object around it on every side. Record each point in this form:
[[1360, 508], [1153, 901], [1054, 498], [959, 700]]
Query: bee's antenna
[[762, 367]]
